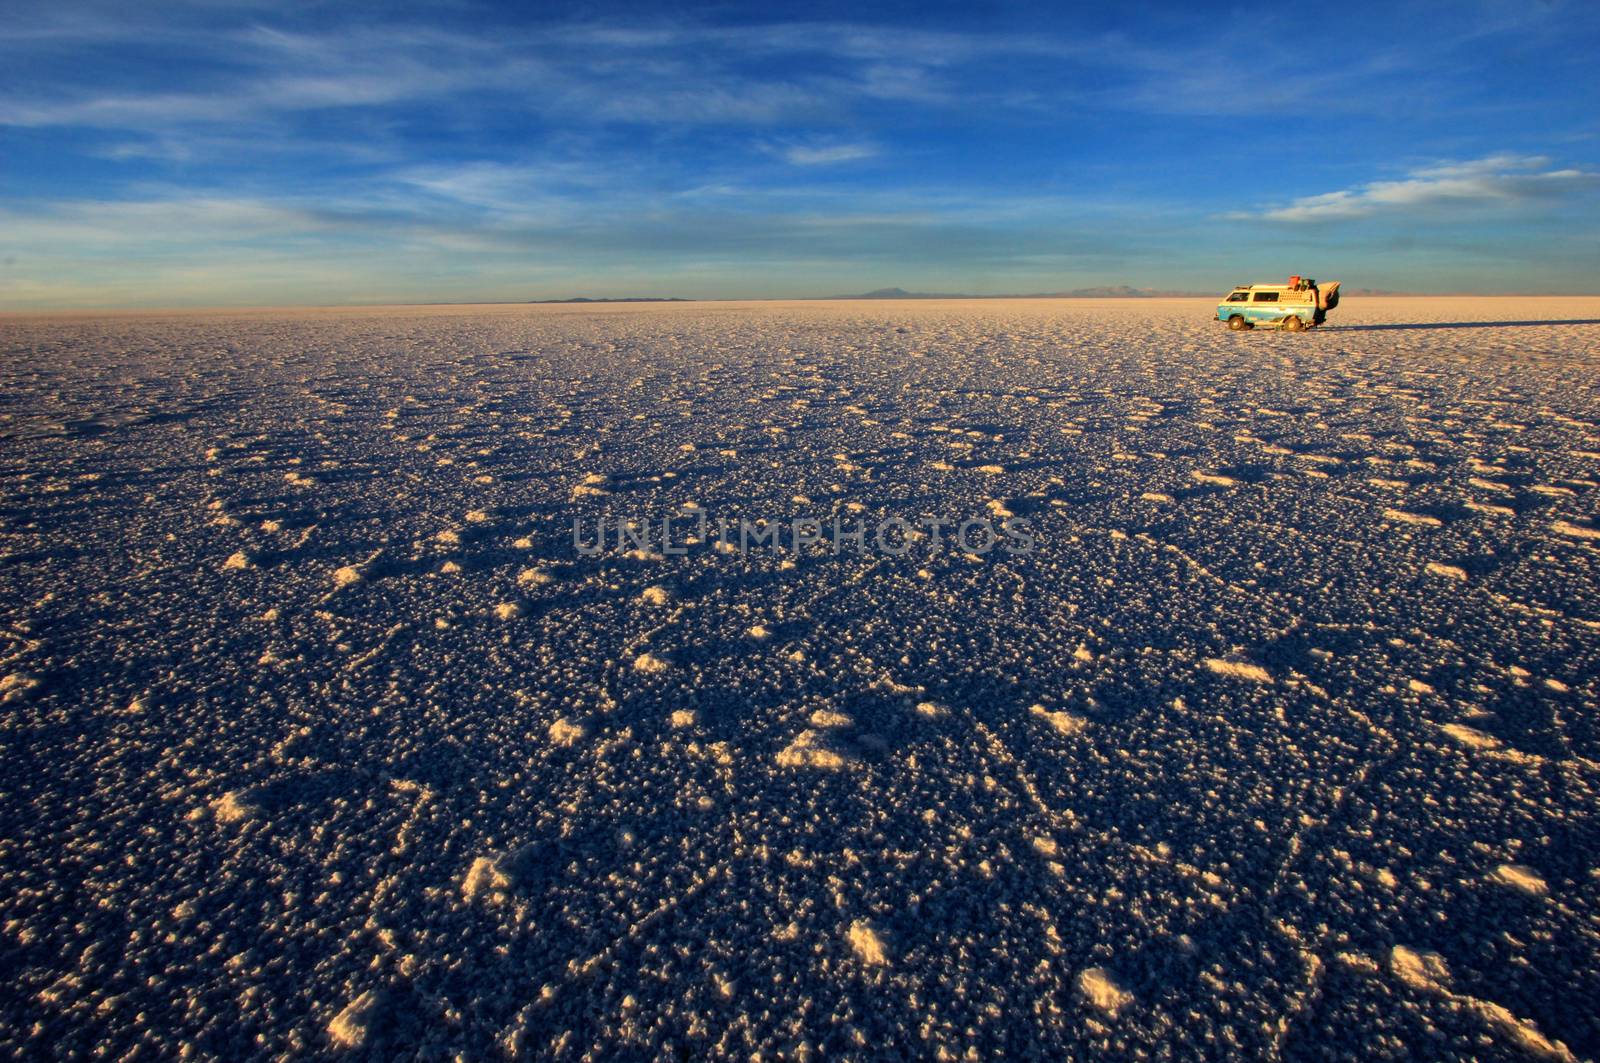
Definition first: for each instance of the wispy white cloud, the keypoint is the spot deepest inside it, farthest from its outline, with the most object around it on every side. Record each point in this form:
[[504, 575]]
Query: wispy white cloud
[[681, 75], [152, 225], [827, 154], [1494, 180], [684, 73]]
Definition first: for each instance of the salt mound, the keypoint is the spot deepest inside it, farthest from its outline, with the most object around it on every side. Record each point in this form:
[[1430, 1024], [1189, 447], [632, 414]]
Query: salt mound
[[811, 750], [1239, 670], [650, 664], [1520, 877], [565, 732], [349, 1028], [1067, 723], [483, 877], [867, 944], [1102, 992]]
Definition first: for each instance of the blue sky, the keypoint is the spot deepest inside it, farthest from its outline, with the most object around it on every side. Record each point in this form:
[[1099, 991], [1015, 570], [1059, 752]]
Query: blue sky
[[207, 153]]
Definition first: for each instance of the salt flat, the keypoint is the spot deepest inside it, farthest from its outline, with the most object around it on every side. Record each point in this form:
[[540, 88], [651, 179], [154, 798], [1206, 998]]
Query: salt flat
[[320, 733]]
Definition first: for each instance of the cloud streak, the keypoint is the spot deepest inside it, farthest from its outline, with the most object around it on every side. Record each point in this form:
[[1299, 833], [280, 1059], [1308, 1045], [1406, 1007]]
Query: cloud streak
[[678, 75], [828, 154], [668, 76], [1494, 181]]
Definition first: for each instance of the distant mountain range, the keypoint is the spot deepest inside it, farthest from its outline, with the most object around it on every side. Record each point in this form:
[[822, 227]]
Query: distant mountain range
[[619, 299], [1113, 291]]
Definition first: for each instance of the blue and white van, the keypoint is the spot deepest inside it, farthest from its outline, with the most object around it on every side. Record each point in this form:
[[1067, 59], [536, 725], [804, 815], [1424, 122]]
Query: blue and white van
[[1300, 304]]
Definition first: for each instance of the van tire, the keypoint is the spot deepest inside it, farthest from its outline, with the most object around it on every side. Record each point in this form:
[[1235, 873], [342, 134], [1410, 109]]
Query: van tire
[[1238, 323], [1294, 324]]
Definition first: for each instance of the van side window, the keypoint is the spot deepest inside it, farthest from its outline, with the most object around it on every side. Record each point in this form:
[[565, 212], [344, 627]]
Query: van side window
[[1239, 297], [1266, 297]]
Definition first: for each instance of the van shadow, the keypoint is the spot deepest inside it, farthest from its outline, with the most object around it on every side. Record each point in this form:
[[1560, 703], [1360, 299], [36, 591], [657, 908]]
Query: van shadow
[[1461, 324]]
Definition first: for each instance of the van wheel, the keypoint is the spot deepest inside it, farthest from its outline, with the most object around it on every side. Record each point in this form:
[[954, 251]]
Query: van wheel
[[1237, 323], [1294, 324]]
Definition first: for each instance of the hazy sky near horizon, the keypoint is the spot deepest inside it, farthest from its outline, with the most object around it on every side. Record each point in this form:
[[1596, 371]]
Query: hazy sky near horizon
[[210, 153]]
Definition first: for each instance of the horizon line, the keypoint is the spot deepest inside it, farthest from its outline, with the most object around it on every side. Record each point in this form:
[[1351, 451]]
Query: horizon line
[[909, 297]]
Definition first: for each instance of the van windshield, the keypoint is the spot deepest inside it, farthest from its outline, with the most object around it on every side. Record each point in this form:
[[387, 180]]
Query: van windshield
[[1239, 297]]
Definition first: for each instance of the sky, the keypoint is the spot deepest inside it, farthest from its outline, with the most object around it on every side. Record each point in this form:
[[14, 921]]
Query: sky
[[205, 153]]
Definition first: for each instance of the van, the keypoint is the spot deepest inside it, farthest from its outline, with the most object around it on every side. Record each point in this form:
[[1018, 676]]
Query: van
[[1297, 305]]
